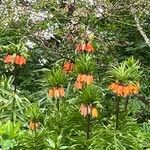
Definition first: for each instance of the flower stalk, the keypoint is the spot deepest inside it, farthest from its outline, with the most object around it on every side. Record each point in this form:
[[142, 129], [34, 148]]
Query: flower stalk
[[117, 112], [57, 104], [14, 100], [126, 104], [88, 127]]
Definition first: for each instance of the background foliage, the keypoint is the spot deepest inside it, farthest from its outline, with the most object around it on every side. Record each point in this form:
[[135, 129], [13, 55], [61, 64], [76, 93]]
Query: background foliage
[[50, 30]]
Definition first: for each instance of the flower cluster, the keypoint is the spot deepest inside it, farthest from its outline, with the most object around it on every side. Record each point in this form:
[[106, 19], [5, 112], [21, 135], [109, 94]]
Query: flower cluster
[[38, 16], [124, 90], [30, 44], [68, 67], [48, 33], [88, 110], [83, 79], [85, 47], [15, 59], [56, 92]]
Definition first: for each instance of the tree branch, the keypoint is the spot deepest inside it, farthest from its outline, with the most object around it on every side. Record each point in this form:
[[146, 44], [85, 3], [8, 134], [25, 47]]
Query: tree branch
[[139, 27]]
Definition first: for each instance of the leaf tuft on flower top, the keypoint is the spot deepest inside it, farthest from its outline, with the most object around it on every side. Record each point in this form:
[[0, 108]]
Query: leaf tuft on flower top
[[85, 64], [56, 77], [126, 72]]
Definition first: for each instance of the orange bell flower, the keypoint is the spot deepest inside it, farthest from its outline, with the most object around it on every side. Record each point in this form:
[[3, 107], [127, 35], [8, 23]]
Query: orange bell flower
[[124, 90], [51, 92], [94, 113], [89, 109], [33, 125], [78, 47], [20, 60], [78, 85], [61, 91], [135, 89], [85, 110], [79, 78], [68, 67], [89, 47], [89, 79], [112, 86], [120, 90], [83, 78], [83, 47], [56, 92], [17, 59], [8, 59]]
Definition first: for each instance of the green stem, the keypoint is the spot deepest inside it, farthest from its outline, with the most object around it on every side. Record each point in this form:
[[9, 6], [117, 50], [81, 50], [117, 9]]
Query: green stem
[[35, 143], [126, 104], [117, 112], [14, 100], [57, 104], [88, 127]]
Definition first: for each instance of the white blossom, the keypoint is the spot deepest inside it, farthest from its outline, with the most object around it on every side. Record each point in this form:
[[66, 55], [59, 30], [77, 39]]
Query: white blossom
[[48, 33], [30, 1], [38, 16], [19, 11], [30, 44], [42, 61], [99, 12], [45, 34], [16, 15], [91, 2], [3, 10]]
